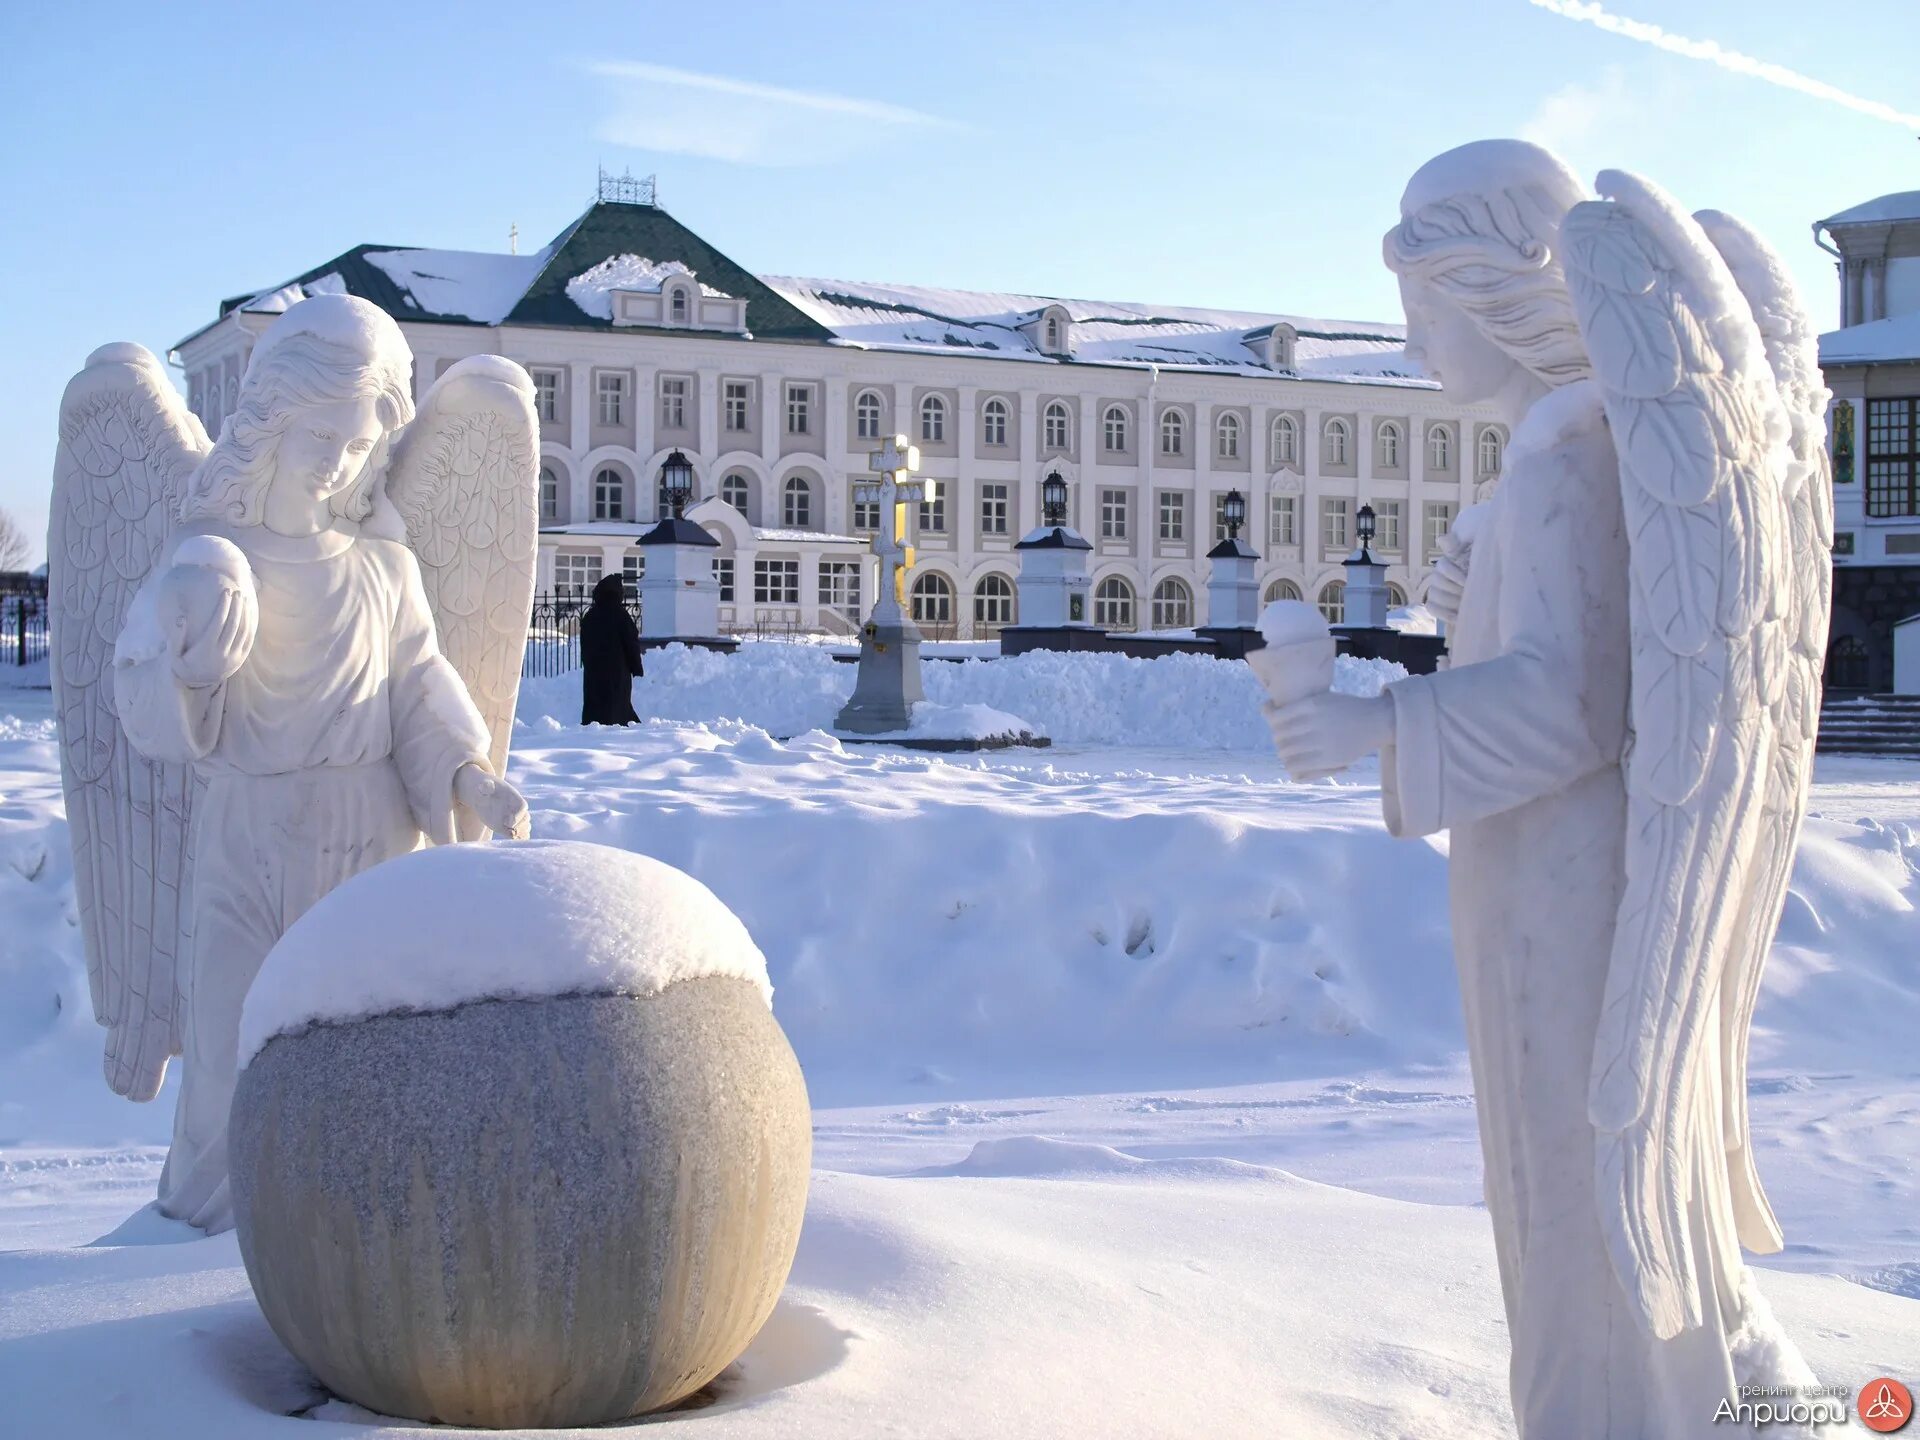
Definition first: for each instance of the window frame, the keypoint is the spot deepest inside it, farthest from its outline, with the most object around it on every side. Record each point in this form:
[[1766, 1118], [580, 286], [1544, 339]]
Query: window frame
[[674, 392], [933, 419], [1113, 513], [993, 422], [996, 507], [1173, 431], [776, 579], [1171, 517], [1056, 409], [1284, 437], [1226, 437], [1332, 506], [1337, 437], [610, 399], [1289, 533], [1114, 604], [867, 423], [1172, 604], [1892, 471], [546, 393], [736, 397], [798, 398], [601, 503], [937, 588], [1114, 421], [796, 488]]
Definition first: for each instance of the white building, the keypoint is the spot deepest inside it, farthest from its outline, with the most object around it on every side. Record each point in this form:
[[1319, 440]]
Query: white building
[[642, 339], [1872, 365]]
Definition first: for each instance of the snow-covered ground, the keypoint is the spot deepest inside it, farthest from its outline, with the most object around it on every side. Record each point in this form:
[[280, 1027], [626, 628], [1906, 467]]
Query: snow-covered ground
[[1141, 1106]]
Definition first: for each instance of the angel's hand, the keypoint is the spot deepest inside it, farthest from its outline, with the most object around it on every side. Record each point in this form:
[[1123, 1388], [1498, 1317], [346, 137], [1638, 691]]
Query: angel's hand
[[1323, 734], [495, 803], [210, 623]]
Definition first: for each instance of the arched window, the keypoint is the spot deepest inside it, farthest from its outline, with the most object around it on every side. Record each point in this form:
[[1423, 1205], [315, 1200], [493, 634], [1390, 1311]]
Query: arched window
[[1489, 451], [549, 493], [796, 503], [1439, 448], [735, 490], [1387, 446], [932, 599], [1173, 432], [1115, 424], [1172, 605], [1226, 437], [1281, 590], [1053, 332], [1113, 604], [1333, 601], [1337, 440], [679, 305], [1396, 597], [866, 416], [992, 604], [1057, 432], [933, 419], [1286, 441], [995, 421], [609, 495]]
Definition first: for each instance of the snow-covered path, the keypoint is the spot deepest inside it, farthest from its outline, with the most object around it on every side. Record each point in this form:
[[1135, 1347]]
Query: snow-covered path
[[1141, 1108]]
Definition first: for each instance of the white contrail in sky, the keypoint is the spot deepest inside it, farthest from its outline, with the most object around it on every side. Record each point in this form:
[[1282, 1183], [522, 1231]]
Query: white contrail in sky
[[1649, 34]]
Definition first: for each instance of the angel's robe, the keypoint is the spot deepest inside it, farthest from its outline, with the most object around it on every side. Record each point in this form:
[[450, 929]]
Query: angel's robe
[[1517, 750], [332, 748]]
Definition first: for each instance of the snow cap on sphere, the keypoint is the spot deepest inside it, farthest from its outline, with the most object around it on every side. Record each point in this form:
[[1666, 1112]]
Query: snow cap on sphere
[[448, 926], [1289, 622], [357, 326], [1484, 166]]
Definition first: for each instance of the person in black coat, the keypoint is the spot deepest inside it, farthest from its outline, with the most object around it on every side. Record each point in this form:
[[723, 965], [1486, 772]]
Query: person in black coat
[[609, 656]]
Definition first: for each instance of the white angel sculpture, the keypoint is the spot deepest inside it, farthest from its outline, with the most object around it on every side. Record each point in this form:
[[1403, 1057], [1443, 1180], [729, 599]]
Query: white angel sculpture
[[278, 660], [1621, 749]]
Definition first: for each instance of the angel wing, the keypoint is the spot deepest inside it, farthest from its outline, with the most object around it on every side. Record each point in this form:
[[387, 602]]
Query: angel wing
[[1792, 352], [127, 448], [1703, 436], [464, 483]]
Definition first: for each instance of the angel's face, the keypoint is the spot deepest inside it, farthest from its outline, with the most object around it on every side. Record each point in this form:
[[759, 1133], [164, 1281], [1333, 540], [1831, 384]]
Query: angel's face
[[325, 447], [1443, 340]]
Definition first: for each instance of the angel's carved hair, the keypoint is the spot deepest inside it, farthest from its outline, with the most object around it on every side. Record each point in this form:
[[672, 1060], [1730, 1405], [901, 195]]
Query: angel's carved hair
[[1492, 254], [300, 372]]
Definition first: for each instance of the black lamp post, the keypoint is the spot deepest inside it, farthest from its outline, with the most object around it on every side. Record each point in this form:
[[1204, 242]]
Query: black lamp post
[[1053, 499], [1233, 509], [676, 481], [1363, 524]]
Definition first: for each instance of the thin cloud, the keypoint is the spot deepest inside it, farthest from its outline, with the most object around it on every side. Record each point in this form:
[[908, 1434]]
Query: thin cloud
[[1590, 13], [723, 117]]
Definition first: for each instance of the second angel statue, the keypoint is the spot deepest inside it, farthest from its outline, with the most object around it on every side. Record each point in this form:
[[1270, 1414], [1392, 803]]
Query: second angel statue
[[280, 658]]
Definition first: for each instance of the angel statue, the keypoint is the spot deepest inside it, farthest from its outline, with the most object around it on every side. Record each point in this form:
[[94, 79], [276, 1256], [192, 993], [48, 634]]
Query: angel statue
[[1621, 750], [278, 659]]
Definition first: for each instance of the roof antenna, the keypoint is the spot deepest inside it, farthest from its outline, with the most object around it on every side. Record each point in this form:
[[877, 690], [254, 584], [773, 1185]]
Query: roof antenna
[[513, 239]]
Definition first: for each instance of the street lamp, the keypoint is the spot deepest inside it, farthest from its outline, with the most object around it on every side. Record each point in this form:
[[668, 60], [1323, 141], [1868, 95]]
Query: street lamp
[[676, 483], [1053, 499], [1363, 524], [1233, 509]]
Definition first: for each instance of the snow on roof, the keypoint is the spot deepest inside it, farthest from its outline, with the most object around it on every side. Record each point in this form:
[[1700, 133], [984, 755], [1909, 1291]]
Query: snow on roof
[[1895, 338], [1904, 205], [987, 323], [275, 302], [805, 536], [471, 284], [592, 290]]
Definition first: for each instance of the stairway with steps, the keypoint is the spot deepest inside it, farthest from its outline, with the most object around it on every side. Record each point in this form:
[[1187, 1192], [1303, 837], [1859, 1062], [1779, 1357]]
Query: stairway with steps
[[1871, 725]]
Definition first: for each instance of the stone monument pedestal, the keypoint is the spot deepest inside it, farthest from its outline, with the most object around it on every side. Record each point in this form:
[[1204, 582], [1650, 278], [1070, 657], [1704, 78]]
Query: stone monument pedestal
[[889, 679]]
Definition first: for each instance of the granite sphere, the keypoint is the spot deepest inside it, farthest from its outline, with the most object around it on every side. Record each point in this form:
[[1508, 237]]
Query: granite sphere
[[530, 1210]]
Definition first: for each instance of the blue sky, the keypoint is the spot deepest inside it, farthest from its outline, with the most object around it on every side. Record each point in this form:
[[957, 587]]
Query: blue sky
[[1243, 153]]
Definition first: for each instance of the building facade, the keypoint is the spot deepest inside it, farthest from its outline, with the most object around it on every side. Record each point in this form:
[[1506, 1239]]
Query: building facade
[[642, 339], [1872, 365]]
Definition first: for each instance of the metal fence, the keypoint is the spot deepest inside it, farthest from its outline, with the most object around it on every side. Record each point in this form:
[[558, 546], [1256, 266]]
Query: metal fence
[[553, 630], [23, 628]]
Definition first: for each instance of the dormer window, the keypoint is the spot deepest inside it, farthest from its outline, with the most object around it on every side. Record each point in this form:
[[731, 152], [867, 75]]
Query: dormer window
[[1053, 332], [678, 304], [1281, 347]]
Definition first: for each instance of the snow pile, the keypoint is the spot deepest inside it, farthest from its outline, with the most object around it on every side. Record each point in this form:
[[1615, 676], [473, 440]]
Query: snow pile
[[592, 290], [955, 722], [1192, 702], [447, 926]]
